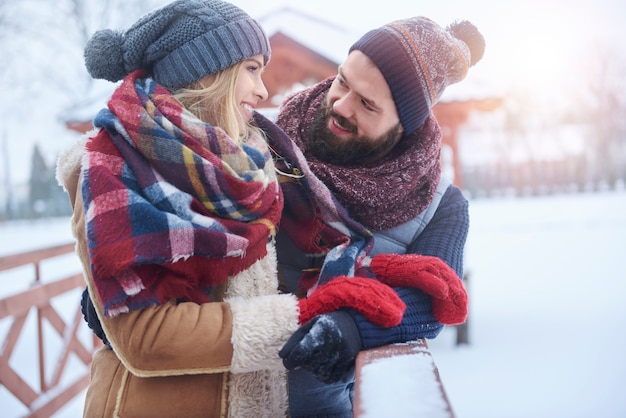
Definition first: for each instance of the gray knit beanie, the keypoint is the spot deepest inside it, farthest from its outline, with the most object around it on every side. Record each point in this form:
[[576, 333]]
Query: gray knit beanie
[[178, 44], [419, 59]]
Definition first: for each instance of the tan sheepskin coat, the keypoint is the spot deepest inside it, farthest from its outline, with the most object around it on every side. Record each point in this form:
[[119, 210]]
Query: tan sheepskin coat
[[217, 359]]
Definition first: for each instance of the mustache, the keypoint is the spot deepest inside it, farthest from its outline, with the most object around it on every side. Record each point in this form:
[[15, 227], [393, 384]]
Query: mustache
[[341, 121]]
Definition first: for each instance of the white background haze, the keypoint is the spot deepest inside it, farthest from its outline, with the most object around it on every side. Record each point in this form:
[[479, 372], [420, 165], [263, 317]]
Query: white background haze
[[539, 47]]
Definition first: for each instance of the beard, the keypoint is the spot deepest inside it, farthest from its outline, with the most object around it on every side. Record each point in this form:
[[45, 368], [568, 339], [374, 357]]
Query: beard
[[330, 148]]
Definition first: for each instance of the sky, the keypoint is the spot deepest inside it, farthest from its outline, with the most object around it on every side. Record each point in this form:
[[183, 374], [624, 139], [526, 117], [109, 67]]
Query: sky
[[547, 314], [531, 41], [531, 45]]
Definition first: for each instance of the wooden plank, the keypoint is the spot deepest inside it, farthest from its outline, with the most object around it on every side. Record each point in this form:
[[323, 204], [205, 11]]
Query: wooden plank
[[11, 340], [50, 405], [51, 396], [38, 295], [17, 386], [31, 257], [401, 380]]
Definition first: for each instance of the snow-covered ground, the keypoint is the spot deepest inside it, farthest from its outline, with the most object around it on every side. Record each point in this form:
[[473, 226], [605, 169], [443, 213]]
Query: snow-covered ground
[[547, 311], [547, 284]]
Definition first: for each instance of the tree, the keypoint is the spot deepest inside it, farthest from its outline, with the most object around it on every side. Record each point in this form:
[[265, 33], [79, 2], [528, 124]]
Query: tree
[[42, 76], [40, 190], [605, 111]]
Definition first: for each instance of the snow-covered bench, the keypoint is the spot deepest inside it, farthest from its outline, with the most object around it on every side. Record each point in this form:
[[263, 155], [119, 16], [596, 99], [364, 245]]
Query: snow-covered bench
[[399, 380]]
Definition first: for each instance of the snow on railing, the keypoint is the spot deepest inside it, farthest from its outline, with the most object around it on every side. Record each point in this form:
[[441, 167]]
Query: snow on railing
[[399, 380]]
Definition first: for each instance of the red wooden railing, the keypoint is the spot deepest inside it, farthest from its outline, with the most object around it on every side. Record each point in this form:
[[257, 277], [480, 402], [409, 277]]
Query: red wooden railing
[[54, 389], [51, 394]]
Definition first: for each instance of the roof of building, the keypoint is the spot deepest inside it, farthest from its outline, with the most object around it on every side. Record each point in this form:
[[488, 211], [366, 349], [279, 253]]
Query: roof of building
[[325, 38]]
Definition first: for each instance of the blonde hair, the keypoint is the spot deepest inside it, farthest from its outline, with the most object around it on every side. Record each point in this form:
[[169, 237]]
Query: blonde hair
[[212, 100]]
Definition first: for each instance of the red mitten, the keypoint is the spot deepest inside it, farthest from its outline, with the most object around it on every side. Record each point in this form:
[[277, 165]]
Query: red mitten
[[375, 300], [429, 274]]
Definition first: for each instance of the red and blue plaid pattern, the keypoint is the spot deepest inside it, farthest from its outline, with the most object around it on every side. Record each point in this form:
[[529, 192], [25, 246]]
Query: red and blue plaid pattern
[[172, 204]]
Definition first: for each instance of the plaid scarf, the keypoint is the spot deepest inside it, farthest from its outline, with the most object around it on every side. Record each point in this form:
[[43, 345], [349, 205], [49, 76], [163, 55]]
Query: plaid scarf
[[173, 206], [382, 194], [312, 217]]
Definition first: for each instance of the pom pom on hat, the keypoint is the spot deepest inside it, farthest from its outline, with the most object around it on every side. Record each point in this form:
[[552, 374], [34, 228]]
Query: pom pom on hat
[[104, 57], [468, 33], [419, 59], [178, 44]]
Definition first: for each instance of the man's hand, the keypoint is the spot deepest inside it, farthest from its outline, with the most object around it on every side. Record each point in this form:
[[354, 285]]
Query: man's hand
[[429, 274], [326, 346]]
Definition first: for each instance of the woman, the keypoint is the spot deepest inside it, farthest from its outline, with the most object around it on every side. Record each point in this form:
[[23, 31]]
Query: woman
[[176, 203]]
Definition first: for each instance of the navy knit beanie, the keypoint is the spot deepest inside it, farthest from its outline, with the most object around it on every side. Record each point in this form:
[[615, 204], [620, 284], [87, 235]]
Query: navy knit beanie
[[178, 44], [419, 59]]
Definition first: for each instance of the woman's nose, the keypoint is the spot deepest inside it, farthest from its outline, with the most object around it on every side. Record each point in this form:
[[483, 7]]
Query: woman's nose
[[261, 90]]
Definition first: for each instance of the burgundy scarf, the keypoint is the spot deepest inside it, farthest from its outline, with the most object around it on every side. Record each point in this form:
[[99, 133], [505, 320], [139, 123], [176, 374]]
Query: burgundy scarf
[[382, 194]]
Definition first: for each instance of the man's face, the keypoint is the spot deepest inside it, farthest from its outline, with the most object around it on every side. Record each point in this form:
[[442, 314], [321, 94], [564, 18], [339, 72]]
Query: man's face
[[359, 121]]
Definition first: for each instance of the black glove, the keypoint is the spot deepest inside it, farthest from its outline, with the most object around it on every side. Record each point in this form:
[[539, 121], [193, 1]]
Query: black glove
[[89, 313], [326, 346]]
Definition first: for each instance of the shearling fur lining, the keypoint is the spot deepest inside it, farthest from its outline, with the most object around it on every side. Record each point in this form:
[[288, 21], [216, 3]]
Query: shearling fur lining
[[262, 319], [260, 394], [71, 157], [261, 326], [260, 279]]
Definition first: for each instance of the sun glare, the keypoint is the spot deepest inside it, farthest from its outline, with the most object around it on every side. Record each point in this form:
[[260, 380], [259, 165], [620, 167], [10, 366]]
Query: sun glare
[[541, 56], [542, 51]]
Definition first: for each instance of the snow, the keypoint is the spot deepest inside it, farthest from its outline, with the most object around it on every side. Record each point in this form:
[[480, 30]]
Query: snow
[[317, 34], [412, 377], [547, 317]]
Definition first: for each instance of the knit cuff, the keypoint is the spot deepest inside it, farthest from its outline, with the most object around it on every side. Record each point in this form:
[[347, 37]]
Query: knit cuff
[[418, 322]]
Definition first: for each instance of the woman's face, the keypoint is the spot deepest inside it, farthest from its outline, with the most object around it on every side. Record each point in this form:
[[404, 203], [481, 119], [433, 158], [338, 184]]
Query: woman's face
[[250, 90]]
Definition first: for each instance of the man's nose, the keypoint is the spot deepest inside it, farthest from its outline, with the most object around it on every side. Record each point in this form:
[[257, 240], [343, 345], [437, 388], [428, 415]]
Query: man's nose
[[343, 106]]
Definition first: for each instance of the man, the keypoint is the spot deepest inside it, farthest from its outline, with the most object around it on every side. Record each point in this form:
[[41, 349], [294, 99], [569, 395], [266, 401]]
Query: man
[[370, 136]]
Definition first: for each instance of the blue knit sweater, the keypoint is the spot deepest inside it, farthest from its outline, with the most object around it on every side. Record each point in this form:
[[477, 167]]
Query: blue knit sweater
[[443, 237]]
